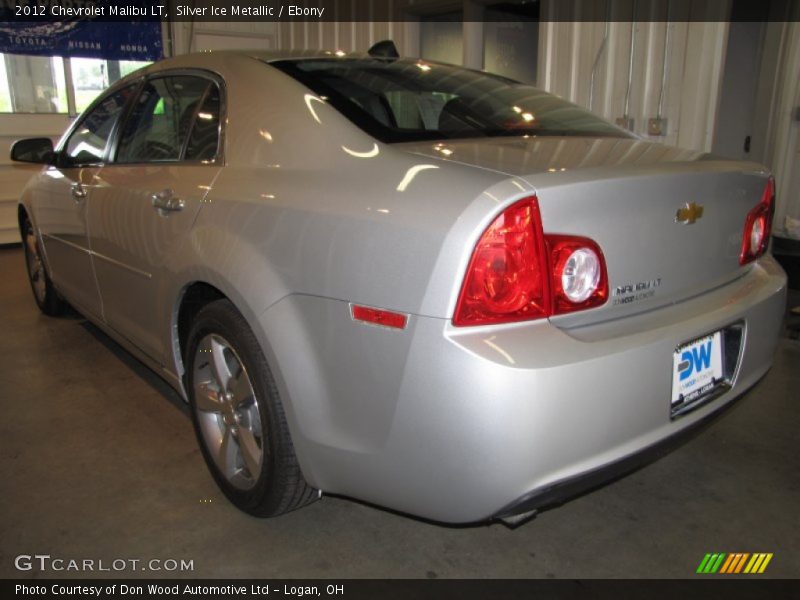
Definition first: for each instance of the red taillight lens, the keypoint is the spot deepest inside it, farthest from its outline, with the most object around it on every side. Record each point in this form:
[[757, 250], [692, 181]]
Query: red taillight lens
[[517, 273], [506, 278], [758, 226]]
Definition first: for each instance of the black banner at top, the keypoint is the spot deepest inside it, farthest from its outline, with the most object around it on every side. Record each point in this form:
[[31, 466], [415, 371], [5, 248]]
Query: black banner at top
[[397, 10]]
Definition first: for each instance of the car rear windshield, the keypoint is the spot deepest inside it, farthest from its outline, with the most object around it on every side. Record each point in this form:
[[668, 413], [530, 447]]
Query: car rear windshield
[[408, 100]]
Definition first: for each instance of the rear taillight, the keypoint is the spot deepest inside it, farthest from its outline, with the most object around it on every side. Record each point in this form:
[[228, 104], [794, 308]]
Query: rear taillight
[[579, 273], [758, 225], [507, 275], [517, 273]]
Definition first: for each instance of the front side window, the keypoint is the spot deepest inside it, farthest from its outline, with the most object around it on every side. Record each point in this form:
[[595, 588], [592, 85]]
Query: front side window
[[162, 119], [87, 143], [406, 101]]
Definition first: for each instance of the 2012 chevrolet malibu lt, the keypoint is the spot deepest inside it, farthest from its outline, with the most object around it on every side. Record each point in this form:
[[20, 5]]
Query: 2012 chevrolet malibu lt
[[428, 288]]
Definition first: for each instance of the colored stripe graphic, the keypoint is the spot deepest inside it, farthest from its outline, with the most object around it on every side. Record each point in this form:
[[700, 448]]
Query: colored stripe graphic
[[711, 563], [716, 564], [755, 562], [767, 558], [703, 563], [734, 563], [727, 564], [740, 566]]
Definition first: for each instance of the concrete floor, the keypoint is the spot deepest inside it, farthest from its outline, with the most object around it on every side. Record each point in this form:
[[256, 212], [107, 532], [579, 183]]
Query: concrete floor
[[98, 460]]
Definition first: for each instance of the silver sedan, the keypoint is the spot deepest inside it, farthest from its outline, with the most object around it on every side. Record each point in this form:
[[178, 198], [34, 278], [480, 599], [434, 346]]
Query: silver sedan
[[428, 288]]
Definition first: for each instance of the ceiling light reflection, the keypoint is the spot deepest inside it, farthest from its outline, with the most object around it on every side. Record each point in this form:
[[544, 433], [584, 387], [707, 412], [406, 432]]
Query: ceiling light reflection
[[309, 98], [411, 174], [368, 154]]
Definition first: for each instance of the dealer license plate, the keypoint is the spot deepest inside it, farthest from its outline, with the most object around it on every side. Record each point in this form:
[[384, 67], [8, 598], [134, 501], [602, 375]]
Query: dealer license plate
[[696, 369]]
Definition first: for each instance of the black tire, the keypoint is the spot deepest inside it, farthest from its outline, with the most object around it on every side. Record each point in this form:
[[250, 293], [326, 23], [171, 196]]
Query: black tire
[[44, 292], [278, 485]]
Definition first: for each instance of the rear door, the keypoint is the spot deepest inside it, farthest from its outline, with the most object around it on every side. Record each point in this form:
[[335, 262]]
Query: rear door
[[165, 161]]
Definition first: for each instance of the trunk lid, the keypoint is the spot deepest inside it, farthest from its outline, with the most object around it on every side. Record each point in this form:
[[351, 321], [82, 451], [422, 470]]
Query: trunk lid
[[625, 194]]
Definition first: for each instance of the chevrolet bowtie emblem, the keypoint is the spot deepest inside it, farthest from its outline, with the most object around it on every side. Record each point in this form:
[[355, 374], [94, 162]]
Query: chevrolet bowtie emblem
[[689, 213]]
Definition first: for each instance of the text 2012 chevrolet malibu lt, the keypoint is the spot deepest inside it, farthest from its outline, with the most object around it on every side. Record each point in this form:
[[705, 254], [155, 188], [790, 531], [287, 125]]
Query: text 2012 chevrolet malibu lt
[[428, 288]]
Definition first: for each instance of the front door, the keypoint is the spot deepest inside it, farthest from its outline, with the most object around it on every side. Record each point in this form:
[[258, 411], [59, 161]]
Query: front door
[[61, 203]]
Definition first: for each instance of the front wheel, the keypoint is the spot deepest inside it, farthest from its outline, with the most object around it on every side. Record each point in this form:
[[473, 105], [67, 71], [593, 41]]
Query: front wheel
[[45, 294], [238, 416]]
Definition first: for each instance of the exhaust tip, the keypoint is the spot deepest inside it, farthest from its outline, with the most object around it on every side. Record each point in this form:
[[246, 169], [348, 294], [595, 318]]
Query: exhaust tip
[[514, 521]]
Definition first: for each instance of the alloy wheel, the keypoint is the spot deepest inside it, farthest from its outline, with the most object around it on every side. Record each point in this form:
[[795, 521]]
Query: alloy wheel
[[228, 412], [35, 265]]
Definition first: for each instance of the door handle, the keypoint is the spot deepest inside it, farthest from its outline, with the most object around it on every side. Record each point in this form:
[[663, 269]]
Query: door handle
[[78, 191], [166, 200]]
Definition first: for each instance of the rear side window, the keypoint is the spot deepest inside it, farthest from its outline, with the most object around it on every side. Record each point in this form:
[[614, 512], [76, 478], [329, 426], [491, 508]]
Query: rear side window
[[406, 101], [87, 143], [161, 119], [204, 137]]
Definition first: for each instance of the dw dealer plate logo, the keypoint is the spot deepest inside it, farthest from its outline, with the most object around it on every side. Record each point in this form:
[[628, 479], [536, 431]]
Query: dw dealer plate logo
[[734, 563], [696, 369]]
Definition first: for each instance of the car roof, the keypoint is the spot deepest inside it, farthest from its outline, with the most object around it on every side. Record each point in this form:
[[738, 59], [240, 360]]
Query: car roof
[[207, 59], [273, 55], [263, 55]]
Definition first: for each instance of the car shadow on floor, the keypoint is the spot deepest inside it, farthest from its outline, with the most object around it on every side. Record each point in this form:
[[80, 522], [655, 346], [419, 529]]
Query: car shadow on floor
[[792, 323], [134, 364]]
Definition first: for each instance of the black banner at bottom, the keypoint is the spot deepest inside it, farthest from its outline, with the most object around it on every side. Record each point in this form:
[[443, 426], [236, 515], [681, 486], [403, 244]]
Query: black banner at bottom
[[371, 589]]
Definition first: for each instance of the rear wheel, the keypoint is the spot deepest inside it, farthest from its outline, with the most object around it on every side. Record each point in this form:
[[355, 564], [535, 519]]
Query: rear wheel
[[45, 294], [238, 416]]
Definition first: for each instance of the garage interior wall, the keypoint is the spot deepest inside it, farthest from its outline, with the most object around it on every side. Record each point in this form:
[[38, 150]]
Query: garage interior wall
[[13, 176], [588, 63], [676, 70], [783, 122], [334, 35]]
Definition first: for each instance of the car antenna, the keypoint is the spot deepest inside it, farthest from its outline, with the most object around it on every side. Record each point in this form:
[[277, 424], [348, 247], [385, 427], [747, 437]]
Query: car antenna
[[384, 49]]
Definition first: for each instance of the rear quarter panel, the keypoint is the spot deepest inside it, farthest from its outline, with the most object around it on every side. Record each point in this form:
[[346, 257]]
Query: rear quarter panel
[[308, 204], [307, 207]]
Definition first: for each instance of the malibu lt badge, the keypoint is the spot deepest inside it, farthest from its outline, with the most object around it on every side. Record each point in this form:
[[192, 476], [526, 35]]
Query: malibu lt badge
[[632, 292]]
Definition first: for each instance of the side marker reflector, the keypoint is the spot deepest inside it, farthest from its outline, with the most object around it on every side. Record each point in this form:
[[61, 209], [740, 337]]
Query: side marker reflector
[[377, 316]]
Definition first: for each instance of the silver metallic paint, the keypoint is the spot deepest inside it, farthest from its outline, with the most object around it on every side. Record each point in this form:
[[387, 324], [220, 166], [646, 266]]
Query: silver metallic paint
[[309, 214]]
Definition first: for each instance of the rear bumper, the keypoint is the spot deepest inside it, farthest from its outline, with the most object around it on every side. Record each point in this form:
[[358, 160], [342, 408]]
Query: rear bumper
[[466, 424], [561, 491]]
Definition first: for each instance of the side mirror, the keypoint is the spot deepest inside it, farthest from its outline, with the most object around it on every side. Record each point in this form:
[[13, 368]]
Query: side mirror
[[33, 150]]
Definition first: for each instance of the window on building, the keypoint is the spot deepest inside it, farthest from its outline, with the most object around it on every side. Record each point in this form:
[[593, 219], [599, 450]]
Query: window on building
[[32, 84], [90, 76], [5, 91], [39, 84]]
